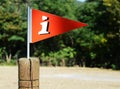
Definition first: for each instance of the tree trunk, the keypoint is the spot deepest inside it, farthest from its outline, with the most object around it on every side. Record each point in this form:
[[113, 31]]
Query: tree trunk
[[8, 58], [62, 62]]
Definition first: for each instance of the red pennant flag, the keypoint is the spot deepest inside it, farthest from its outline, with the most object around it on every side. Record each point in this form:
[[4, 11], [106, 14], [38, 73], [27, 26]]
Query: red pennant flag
[[46, 25]]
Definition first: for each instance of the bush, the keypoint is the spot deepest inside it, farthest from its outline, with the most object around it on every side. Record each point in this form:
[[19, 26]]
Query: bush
[[11, 63], [63, 57]]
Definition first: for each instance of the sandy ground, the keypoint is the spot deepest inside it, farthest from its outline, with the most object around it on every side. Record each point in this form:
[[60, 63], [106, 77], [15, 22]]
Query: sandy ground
[[65, 78]]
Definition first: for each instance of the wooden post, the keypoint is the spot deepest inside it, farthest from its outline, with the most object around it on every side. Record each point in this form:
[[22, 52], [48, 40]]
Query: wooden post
[[28, 73]]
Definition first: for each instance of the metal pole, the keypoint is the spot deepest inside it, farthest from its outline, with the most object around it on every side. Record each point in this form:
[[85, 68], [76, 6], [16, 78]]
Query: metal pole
[[28, 35]]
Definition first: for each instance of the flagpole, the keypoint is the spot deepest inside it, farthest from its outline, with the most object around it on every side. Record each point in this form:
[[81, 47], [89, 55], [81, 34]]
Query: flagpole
[[28, 34]]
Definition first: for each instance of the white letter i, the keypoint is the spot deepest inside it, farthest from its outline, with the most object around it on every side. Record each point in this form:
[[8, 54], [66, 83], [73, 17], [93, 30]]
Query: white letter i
[[45, 25]]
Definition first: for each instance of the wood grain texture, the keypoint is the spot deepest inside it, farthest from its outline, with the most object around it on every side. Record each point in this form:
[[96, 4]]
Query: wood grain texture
[[28, 72], [24, 69], [25, 84], [34, 68]]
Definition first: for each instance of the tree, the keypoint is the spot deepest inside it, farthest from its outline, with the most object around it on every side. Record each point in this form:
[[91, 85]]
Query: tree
[[88, 38], [12, 29], [112, 30], [94, 45], [103, 19]]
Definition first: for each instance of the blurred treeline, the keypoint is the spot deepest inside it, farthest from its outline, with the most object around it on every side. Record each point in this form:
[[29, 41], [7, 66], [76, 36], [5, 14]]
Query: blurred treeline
[[96, 45]]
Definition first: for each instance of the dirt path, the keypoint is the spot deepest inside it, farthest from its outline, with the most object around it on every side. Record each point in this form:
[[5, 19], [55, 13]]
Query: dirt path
[[65, 78]]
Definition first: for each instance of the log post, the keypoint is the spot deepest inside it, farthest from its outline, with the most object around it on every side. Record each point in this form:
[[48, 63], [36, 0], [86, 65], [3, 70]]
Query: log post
[[28, 73]]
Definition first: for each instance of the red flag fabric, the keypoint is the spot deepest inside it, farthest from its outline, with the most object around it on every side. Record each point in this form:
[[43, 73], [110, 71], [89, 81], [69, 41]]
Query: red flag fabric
[[46, 25]]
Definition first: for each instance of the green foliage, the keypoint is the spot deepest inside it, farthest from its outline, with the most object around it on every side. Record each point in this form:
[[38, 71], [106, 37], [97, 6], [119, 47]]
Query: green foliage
[[96, 45], [12, 28], [57, 7], [103, 19], [0, 53], [59, 58], [16, 38], [4, 63], [110, 27]]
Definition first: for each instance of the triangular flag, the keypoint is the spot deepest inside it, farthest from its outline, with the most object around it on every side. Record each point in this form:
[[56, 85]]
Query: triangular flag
[[46, 25]]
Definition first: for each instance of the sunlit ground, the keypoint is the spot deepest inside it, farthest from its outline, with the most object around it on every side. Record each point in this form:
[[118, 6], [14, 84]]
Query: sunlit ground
[[65, 78]]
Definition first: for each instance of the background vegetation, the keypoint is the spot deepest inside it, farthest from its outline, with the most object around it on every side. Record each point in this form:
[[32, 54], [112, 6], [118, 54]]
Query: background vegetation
[[96, 45]]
